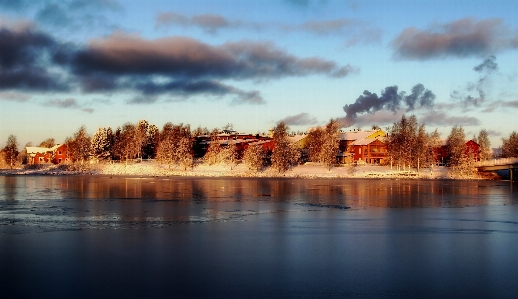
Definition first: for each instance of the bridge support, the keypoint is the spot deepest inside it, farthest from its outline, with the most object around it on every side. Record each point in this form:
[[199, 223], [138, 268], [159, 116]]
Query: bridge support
[[511, 177]]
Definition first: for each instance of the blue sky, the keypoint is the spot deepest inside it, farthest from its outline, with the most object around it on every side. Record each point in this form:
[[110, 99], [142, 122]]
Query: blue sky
[[64, 64]]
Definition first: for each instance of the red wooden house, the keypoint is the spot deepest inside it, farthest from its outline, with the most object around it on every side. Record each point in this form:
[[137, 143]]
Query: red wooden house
[[472, 150], [41, 155]]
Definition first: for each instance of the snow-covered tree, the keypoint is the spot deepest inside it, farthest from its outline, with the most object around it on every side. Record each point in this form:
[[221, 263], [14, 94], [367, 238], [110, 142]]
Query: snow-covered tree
[[49, 142], [79, 146], [212, 155], [10, 151], [510, 145], [401, 142], [140, 136], [284, 154], [175, 145], [459, 161], [130, 145], [254, 157], [101, 144], [229, 154], [165, 150], [152, 140], [485, 145], [330, 144], [315, 139]]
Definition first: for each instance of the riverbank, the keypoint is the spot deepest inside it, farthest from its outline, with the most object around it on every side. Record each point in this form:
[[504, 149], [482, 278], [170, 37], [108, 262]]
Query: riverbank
[[224, 170]]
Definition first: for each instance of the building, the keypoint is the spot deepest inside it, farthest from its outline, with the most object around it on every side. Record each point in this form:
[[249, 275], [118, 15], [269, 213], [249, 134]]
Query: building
[[442, 153], [42, 155], [368, 146]]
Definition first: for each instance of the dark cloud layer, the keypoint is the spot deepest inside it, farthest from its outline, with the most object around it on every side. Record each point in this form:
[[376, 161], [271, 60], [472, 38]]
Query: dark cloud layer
[[441, 118], [301, 119], [390, 100], [462, 38], [177, 66]]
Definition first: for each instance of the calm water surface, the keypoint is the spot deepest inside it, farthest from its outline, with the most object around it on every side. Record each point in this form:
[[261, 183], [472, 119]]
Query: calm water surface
[[98, 237]]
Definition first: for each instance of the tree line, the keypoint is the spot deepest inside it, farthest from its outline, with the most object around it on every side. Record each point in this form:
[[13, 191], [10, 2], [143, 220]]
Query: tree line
[[408, 145]]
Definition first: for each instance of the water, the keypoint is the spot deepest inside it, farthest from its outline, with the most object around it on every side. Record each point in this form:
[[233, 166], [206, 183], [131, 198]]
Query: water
[[94, 236]]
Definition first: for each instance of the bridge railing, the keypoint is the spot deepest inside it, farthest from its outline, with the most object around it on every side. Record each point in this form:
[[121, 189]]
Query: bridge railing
[[495, 162]]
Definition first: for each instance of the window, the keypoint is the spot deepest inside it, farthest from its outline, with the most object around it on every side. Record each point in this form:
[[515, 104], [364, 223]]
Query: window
[[41, 159], [59, 152], [59, 161]]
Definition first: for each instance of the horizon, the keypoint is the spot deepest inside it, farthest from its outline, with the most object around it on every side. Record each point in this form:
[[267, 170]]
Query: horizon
[[208, 63]]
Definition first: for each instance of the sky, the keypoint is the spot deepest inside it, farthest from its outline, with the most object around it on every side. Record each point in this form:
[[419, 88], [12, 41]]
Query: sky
[[102, 63]]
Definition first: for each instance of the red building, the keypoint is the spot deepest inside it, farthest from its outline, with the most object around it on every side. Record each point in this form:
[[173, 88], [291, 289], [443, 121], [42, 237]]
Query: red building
[[472, 149], [41, 155]]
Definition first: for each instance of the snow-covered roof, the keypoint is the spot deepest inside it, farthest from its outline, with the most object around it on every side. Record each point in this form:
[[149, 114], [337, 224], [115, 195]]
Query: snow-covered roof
[[296, 138], [355, 135], [41, 150], [368, 141]]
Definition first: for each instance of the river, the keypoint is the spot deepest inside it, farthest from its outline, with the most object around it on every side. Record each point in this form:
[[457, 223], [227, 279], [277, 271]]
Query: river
[[170, 237]]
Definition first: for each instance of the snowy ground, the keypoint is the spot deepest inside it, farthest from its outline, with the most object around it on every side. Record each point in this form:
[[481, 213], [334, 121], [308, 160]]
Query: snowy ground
[[241, 170]]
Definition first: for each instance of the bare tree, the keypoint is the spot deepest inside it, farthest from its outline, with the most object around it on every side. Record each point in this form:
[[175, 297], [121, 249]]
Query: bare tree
[[79, 146], [211, 156], [284, 154], [229, 154], [485, 145], [330, 144], [510, 145], [165, 150], [315, 139], [49, 142], [129, 144], [254, 157], [140, 136], [10, 151]]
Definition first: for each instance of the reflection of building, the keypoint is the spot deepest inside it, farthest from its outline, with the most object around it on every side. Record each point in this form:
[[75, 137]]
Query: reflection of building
[[41, 155], [368, 146]]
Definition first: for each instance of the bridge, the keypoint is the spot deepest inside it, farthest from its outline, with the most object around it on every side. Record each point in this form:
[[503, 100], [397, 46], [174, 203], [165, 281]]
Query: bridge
[[510, 164]]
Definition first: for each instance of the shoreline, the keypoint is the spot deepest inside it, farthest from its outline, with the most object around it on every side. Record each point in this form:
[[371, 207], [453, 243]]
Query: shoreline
[[154, 170]]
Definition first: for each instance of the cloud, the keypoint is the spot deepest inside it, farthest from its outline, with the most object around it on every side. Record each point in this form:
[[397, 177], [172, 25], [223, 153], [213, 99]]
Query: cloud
[[486, 69], [354, 31], [390, 100], [301, 119], [208, 22], [66, 14], [69, 103], [14, 97], [24, 59], [494, 133], [466, 37], [442, 119], [33, 60]]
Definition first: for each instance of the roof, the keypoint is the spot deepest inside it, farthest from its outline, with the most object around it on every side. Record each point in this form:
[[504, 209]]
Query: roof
[[41, 150], [368, 141], [358, 135]]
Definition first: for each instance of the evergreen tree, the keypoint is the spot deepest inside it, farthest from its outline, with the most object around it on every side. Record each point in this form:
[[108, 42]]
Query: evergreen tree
[[10, 151], [152, 140], [101, 144]]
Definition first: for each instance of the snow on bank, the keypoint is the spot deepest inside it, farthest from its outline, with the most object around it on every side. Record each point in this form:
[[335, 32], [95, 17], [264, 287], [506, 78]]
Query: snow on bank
[[241, 170]]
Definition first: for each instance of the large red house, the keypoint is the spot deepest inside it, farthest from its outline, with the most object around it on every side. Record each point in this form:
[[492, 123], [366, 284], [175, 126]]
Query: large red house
[[41, 155], [472, 149]]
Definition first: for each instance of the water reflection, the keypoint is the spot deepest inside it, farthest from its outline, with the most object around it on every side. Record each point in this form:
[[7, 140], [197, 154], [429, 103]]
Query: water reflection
[[99, 202]]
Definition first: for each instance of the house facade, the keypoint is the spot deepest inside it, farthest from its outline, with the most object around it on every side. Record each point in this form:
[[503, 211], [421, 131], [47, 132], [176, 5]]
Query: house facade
[[44, 155]]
